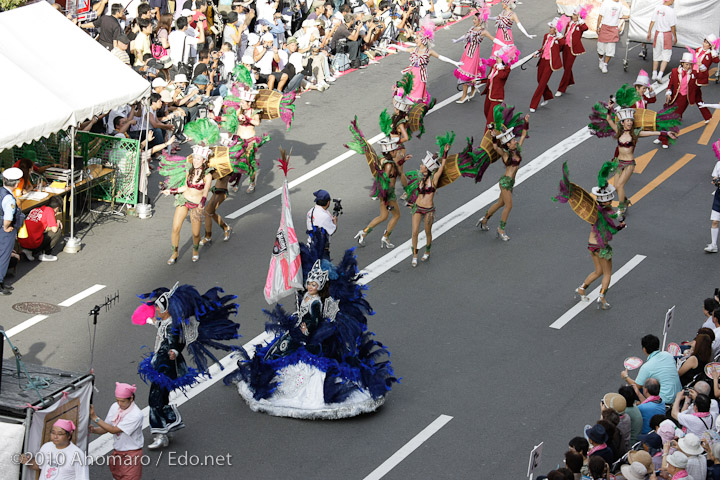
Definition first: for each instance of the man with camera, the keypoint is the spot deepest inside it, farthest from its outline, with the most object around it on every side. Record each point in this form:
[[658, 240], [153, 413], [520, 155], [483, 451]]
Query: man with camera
[[346, 40], [319, 217]]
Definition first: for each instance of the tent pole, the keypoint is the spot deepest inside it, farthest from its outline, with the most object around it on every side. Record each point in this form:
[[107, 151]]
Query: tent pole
[[72, 182]]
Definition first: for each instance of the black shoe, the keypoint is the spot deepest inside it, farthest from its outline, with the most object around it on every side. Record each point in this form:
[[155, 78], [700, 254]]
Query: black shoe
[[5, 286], [180, 138], [4, 291]]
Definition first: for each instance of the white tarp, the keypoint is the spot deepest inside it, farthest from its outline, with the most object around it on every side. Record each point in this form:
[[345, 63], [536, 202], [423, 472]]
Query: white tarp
[[695, 19], [53, 80]]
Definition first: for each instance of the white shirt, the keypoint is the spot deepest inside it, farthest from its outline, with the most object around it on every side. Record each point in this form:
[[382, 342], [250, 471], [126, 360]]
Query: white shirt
[[696, 425], [611, 13], [265, 11], [320, 217], [297, 61], [176, 39], [716, 170], [265, 63], [131, 437], [664, 18], [68, 463]]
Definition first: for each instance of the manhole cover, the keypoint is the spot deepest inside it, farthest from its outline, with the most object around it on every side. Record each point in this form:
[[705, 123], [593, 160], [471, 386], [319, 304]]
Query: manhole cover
[[36, 308]]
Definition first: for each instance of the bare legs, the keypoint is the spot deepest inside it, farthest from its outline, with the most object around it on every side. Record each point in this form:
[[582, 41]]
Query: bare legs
[[603, 268], [386, 209], [416, 219], [621, 178], [505, 200], [211, 215], [196, 221]]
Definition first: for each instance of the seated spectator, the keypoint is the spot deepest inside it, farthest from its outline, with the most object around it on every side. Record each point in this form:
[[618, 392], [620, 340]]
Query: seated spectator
[[227, 58], [643, 457], [44, 231], [667, 430], [699, 355], [716, 331], [28, 166], [633, 471], [278, 30], [695, 413], [264, 54], [612, 409], [659, 365], [346, 40], [709, 306], [295, 59], [186, 96], [580, 445], [632, 412], [599, 468], [704, 388], [614, 438], [598, 438], [121, 125], [696, 464], [713, 459], [653, 445], [676, 465], [652, 404], [120, 50], [574, 462]]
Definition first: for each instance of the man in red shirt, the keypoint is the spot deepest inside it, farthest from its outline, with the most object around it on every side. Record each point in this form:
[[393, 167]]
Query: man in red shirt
[[44, 231]]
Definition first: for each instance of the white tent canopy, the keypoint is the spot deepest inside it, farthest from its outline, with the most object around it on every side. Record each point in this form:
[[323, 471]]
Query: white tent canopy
[[54, 80]]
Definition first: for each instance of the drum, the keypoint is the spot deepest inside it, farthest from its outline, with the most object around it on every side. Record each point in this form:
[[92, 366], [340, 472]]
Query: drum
[[220, 161], [416, 116], [487, 145], [583, 204], [373, 160], [645, 119], [451, 172], [269, 102]]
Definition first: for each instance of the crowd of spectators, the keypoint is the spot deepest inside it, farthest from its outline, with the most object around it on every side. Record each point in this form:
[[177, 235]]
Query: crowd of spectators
[[663, 423]]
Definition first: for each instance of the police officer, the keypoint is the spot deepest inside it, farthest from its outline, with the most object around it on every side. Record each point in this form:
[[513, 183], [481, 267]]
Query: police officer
[[12, 220]]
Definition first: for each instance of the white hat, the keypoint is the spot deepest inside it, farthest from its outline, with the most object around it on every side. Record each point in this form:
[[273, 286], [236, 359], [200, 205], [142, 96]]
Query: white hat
[[388, 144], [690, 444], [247, 59], [159, 83], [506, 136], [403, 104], [252, 39], [553, 22], [577, 10], [642, 79], [201, 151], [687, 57], [711, 38], [678, 459], [267, 37], [247, 94], [13, 174], [430, 162], [180, 78], [626, 114], [604, 194], [186, 12], [166, 96], [634, 471]]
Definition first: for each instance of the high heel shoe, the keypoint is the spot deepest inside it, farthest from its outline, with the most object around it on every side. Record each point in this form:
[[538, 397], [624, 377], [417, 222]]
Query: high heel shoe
[[582, 295], [482, 223], [385, 243], [602, 304], [360, 237], [205, 240], [172, 260], [502, 236], [196, 254], [463, 100], [414, 262], [425, 257], [228, 231]]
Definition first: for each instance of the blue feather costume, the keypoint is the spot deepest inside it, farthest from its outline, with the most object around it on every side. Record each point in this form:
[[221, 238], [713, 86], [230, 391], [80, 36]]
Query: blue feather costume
[[196, 322], [323, 362]]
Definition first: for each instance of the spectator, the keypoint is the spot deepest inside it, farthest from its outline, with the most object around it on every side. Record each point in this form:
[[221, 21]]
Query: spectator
[[295, 59], [160, 6], [713, 457], [232, 33], [120, 49], [163, 34], [155, 124], [704, 388], [109, 26], [695, 414], [142, 42], [186, 96], [659, 365], [633, 471], [614, 403], [632, 412], [700, 355], [709, 306], [227, 58], [180, 42], [653, 445], [614, 438], [346, 40], [598, 438], [696, 464], [667, 430], [580, 445], [60, 446], [245, 17], [574, 462], [278, 30], [652, 404], [264, 54], [598, 468], [643, 457], [12, 218], [44, 231], [676, 464], [144, 13]]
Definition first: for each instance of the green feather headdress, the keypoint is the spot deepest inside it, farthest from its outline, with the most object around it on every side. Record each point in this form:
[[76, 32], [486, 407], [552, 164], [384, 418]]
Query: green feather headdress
[[498, 117], [607, 169], [385, 122], [230, 121], [443, 140], [626, 96], [406, 83], [202, 132], [242, 74]]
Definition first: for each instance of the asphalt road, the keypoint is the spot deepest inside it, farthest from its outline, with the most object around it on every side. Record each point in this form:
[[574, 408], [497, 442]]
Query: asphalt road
[[469, 331]]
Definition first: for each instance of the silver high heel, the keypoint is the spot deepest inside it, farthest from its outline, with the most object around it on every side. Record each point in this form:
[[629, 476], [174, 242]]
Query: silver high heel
[[582, 296], [482, 223], [360, 237], [602, 304], [425, 257], [502, 236], [385, 243], [160, 441], [414, 262]]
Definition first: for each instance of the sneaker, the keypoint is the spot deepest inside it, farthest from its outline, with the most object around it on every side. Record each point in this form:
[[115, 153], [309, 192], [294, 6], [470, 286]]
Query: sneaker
[[711, 248], [321, 88], [558, 94], [657, 141], [28, 254], [47, 258], [600, 65], [666, 146], [330, 79], [543, 103], [603, 68], [532, 110]]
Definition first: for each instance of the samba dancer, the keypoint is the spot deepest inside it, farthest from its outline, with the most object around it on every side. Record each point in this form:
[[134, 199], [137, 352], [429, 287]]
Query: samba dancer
[[183, 318], [508, 147], [504, 23], [401, 106], [549, 61], [473, 67], [602, 216], [573, 46]]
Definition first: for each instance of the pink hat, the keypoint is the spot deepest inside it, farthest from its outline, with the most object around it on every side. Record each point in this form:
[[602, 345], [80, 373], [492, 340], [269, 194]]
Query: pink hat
[[66, 425], [666, 431], [124, 390]]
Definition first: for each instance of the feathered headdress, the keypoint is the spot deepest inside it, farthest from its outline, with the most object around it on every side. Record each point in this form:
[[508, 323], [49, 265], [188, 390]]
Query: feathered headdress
[[508, 54], [426, 31], [243, 75], [385, 122], [627, 96], [444, 140], [583, 10], [483, 14], [202, 132], [406, 83], [716, 149], [504, 119], [607, 169], [562, 23], [713, 40]]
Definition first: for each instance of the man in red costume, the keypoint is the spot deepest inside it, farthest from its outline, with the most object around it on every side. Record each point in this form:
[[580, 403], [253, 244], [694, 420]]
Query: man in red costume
[[573, 48], [549, 62]]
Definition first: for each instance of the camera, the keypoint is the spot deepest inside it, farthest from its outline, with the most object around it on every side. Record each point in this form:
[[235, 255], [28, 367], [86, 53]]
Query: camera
[[337, 207], [716, 182], [686, 392]]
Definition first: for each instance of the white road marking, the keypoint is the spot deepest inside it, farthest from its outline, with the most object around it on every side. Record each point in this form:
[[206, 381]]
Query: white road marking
[[39, 318], [317, 171], [408, 448], [85, 293], [580, 306]]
